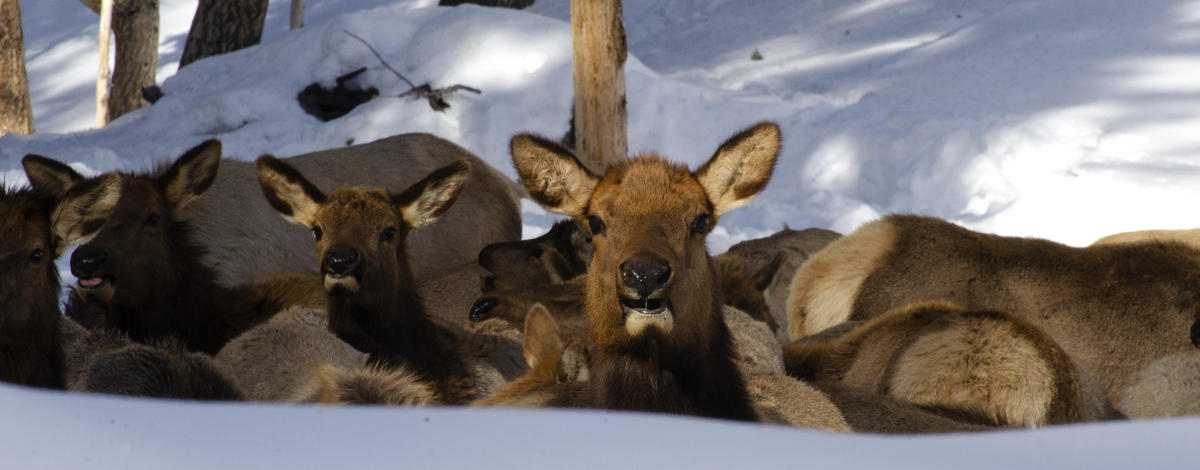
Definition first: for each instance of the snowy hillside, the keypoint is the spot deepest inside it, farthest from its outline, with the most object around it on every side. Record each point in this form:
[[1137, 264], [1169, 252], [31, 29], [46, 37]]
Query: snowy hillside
[[1062, 120]]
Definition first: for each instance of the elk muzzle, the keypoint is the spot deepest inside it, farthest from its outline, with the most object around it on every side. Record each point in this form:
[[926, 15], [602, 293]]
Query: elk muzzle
[[88, 264], [645, 278], [341, 269], [482, 309]]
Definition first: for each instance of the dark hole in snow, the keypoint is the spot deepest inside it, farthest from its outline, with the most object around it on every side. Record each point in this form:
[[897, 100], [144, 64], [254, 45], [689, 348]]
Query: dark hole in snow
[[328, 104]]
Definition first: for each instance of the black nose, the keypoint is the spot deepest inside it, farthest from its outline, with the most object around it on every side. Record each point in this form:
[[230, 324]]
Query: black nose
[[87, 260], [340, 260], [482, 308], [645, 273]]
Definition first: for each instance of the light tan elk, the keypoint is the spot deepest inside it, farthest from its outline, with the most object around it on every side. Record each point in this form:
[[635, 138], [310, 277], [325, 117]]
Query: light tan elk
[[1113, 309], [985, 365], [244, 239], [659, 340], [370, 287]]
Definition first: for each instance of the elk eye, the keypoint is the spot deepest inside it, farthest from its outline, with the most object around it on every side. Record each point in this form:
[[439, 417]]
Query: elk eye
[[595, 225], [388, 234], [700, 224], [36, 256], [152, 219], [317, 233], [536, 252]]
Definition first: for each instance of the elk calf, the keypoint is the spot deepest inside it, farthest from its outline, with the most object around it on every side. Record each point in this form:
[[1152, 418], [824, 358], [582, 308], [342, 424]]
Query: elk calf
[[360, 242], [659, 342], [1113, 308], [559, 255]]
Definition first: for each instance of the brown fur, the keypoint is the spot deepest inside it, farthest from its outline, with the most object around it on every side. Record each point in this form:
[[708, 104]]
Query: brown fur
[[244, 239], [559, 255], [165, 369], [154, 284], [1113, 309], [373, 301], [373, 386], [565, 301], [1167, 387], [742, 286], [551, 362], [938, 354], [650, 213], [791, 248], [30, 348]]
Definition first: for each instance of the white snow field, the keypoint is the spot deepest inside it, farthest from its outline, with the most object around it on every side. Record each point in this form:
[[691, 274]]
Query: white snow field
[[1061, 120]]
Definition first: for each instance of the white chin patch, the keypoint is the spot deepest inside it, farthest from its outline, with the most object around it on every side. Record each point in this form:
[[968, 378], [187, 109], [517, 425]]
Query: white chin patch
[[346, 283], [102, 294], [638, 321]]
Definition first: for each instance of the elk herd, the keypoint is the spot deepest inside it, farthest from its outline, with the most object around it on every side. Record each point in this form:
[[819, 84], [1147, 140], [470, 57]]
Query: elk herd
[[392, 273]]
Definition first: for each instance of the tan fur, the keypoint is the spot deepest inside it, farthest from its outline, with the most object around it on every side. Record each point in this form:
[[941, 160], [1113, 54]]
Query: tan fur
[[245, 239], [936, 354], [1190, 237], [551, 362], [372, 386], [740, 168], [74, 218], [1167, 387], [1112, 308], [824, 287]]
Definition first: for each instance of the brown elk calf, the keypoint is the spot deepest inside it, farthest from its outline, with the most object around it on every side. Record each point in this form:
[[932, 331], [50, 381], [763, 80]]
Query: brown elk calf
[[30, 348], [360, 242], [1113, 308], [993, 367], [559, 255], [659, 340], [139, 271]]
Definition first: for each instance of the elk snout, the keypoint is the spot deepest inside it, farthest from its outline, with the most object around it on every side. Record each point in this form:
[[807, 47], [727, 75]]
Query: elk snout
[[645, 274], [87, 262], [339, 261], [481, 310]]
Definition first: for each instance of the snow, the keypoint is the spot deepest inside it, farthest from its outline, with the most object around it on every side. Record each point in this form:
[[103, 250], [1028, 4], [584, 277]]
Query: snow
[[1030, 118]]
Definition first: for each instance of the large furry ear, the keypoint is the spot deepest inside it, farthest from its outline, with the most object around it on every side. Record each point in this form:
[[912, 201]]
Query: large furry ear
[[425, 201], [83, 210], [540, 341], [50, 176], [741, 167], [288, 191], [191, 174], [552, 175]]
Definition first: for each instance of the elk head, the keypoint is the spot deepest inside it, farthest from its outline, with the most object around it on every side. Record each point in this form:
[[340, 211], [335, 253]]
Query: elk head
[[128, 223], [29, 284], [650, 275], [360, 233], [557, 256]]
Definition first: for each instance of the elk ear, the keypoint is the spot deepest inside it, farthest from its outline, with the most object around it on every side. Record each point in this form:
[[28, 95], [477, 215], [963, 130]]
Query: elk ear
[[191, 174], [289, 192], [741, 167], [425, 201], [573, 363], [553, 177], [82, 210], [540, 341], [50, 176]]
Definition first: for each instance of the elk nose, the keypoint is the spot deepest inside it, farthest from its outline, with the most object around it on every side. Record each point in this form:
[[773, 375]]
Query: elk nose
[[87, 259], [340, 260], [645, 273], [481, 309]]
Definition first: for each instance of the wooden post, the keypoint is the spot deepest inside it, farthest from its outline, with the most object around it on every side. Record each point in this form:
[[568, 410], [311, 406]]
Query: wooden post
[[103, 77], [16, 109], [297, 14], [598, 65]]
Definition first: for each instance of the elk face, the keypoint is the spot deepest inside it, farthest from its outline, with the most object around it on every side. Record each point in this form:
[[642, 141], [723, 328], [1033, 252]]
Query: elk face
[[555, 257], [28, 279], [650, 274], [128, 225], [360, 233]]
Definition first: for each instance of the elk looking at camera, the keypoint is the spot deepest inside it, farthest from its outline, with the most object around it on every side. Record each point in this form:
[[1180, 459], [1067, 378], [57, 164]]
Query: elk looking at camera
[[360, 242], [660, 342], [139, 271]]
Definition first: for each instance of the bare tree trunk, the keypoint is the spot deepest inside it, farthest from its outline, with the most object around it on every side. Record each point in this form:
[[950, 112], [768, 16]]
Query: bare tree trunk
[[514, 4], [598, 45], [16, 110], [222, 26], [297, 14], [104, 76], [135, 25]]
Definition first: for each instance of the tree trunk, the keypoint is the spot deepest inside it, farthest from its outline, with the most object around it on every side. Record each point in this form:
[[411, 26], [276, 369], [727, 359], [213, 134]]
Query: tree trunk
[[104, 74], [297, 14], [16, 110], [598, 45], [222, 26], [135, 25], [514, 4]]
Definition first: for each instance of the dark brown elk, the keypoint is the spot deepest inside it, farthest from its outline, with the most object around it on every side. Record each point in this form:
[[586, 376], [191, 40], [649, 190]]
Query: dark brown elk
[[660, 342], [371, 290], [30, 349], [1112, 308], [139, 270], [559, 255], [245, 240]]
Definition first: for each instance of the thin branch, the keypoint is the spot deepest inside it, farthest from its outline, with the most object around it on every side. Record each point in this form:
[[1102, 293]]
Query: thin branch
[[385, 64]]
